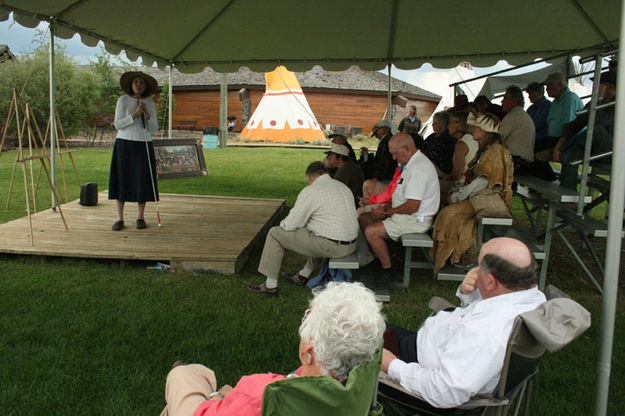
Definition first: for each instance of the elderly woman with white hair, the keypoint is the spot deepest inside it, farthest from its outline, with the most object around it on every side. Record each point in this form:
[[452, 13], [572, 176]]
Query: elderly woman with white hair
[[454, 230], [342, 328]]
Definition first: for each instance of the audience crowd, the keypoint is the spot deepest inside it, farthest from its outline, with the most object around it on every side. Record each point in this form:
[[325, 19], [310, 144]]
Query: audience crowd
[[415, 185]]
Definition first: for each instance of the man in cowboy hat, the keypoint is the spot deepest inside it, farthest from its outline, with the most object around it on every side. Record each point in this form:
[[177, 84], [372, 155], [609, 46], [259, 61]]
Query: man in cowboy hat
[[340, 138], [347, 171], [381, 169]]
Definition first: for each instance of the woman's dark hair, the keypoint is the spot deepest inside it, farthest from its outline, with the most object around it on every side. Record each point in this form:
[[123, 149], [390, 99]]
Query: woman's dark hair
[[418, 140]]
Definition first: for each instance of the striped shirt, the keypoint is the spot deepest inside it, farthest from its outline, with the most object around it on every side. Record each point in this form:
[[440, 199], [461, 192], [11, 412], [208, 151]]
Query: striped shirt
[[326, 208]]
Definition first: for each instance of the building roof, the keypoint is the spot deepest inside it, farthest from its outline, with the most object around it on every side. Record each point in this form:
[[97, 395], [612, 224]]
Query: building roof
[[5, 53], [354, 80]]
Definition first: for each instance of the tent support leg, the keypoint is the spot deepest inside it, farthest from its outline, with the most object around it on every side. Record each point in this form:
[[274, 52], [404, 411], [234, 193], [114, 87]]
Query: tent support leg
[[613, 249]]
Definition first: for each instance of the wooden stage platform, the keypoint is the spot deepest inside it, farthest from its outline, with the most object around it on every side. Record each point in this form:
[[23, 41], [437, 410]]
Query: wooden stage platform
[[198, 232]]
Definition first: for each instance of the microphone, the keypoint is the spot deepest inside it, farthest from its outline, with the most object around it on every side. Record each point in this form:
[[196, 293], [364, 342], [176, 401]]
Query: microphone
[[142, 115]]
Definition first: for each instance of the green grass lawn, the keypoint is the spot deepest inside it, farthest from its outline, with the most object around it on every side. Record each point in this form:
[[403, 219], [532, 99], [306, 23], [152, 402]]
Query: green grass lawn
[[88, 337]]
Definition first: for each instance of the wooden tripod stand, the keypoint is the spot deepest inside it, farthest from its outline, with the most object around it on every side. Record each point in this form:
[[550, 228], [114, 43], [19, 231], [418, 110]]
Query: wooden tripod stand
[[24, 128]]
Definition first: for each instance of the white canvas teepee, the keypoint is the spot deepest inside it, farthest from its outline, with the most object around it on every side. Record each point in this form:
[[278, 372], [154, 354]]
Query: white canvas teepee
[[461, 72], [283, 113]]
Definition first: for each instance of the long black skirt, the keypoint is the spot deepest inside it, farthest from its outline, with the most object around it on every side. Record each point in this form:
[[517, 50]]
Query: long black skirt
[[130, 179]]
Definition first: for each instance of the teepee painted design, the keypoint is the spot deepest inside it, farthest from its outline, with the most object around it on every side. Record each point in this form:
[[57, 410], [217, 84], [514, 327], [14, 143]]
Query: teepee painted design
[[283, 113]]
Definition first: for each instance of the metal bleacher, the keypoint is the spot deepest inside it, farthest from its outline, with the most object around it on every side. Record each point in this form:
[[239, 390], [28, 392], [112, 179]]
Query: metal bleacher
[[567, 210]]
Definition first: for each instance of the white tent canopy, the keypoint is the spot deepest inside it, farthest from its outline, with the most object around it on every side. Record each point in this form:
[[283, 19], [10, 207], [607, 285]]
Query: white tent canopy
[[462, 72], [228, 34], [497, 84]]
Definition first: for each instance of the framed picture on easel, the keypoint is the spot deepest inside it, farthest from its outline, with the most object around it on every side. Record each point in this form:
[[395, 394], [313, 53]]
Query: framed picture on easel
[[178, 158]]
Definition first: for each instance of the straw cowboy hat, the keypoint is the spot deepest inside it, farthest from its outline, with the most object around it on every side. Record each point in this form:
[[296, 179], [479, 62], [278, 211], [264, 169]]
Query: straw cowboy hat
[[150, 83]]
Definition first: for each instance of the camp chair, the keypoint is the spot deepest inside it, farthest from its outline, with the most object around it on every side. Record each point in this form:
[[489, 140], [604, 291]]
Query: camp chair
[[324, 395], [551, 326]]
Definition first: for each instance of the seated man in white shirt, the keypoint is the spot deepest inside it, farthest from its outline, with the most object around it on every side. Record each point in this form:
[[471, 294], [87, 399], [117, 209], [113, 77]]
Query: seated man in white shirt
[[458, 354], [413, 206], [321, 224]]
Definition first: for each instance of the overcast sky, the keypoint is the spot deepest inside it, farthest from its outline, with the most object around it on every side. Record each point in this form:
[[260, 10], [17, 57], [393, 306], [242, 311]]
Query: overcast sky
[[20, 39]]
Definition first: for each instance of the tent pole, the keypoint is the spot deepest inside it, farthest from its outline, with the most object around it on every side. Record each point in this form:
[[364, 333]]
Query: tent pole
[[389, 113], [223, 109], [613, 249], [52, 118], [170, 100]]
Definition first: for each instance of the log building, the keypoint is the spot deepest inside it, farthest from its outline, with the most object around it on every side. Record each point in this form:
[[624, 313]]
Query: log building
[[351, 98]]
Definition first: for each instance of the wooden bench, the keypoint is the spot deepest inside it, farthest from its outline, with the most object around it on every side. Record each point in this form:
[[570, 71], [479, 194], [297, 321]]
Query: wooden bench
[[355, 131], [187, 124], [340, 130], [351, 262]]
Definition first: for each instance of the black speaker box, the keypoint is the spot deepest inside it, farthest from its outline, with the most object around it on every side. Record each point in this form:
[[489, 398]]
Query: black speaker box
[[89, 194]]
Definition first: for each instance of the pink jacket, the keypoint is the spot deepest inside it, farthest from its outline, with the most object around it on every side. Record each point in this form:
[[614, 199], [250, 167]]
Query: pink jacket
[[387, 195]]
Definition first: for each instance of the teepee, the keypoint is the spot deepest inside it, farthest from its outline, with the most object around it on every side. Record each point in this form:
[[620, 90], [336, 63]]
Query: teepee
[[283, 113], [463, 71]]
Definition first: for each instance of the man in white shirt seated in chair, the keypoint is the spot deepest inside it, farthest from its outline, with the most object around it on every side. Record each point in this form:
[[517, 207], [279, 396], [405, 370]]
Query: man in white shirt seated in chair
[[458, 354]]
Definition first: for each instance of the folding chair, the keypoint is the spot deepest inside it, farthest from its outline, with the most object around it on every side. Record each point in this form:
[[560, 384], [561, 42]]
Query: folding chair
[[550, 327], [324, 395]]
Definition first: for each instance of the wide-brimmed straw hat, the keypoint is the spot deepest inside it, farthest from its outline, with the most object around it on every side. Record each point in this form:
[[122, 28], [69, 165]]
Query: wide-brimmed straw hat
[[126, 80], [484, 122]]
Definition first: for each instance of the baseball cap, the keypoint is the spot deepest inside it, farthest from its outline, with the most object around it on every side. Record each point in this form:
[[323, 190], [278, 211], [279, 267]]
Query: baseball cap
[[555, 77], [339, 149]]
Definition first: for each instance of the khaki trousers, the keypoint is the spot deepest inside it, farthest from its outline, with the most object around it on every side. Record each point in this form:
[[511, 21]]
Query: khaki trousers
[[302, 242], [186, 388]]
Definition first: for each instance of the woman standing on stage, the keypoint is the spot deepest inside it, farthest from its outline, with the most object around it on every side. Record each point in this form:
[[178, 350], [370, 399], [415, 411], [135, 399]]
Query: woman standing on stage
[[131, 179]]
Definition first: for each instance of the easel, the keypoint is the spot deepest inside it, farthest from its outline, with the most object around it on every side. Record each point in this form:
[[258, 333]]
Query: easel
[[58, 126], [26, 127]]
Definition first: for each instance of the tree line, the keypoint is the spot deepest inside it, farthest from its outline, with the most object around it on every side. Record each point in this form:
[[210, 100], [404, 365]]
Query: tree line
[[83, 92]]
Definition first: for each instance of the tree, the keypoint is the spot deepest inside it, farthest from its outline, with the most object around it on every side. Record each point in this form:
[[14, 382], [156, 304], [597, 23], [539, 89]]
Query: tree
[[162, 107], [76, 89], [108, 82]]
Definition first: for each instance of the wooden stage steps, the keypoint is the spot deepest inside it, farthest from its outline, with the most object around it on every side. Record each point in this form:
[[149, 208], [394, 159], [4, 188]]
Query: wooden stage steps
[[198, 233]]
